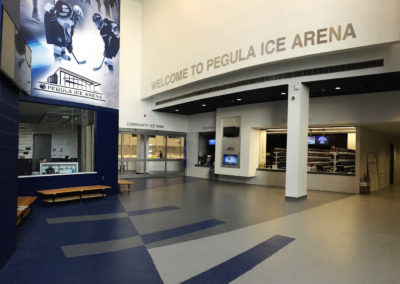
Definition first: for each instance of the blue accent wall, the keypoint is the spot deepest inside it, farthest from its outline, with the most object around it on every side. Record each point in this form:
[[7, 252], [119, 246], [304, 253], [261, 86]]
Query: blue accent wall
[[8, 167], [105, 154]]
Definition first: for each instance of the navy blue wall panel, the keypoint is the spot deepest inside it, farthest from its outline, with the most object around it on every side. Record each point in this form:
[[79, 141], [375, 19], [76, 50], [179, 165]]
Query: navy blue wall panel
[[105, 155], [8, 168]]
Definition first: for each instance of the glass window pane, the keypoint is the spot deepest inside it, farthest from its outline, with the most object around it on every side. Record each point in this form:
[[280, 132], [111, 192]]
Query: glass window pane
[[175, 147], [156, 147], [130, 143], [55, 139]]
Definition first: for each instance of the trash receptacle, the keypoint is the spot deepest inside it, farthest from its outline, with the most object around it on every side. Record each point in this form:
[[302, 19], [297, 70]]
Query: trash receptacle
[[364, 187], [213, 176]]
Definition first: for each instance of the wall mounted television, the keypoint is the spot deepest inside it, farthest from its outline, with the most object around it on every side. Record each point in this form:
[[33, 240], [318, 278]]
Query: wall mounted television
[[322, 140], [311, 140], [16, 56], [230, 160], [231, 131]]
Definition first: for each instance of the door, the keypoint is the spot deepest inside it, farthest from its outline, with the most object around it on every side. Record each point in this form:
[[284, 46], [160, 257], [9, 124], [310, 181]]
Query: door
[[41, 149]]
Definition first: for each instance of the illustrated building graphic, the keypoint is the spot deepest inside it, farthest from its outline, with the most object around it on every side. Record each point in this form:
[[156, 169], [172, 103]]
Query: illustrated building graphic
[[66, 78]]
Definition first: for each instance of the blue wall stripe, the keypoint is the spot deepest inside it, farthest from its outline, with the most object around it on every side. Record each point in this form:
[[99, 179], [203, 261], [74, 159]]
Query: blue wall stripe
[[242, 263], [179, 231], [152, 210]]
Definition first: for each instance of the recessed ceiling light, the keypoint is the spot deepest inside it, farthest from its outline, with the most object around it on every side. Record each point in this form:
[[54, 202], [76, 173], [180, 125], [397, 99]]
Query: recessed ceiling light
[[283, 93], [177, 110], [203, 105], [338, 88], [239, 99]]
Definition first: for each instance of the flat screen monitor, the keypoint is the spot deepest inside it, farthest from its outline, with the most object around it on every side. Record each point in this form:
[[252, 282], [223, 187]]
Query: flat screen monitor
[[16, 56], [311, 140], [211, 142], [322, 140], [230, 159], [231, 131]]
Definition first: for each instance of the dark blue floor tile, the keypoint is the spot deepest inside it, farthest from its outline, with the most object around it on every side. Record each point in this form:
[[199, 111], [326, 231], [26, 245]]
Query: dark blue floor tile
[[152, 210], [242, 263], [129, 266], [179, 231]]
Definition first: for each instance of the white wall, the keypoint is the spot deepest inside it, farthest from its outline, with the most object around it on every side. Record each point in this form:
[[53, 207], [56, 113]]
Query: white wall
[[204, 122], [271, 114], [63, 140], [197, 31], [343, 110], [390, 53], [135, 113]]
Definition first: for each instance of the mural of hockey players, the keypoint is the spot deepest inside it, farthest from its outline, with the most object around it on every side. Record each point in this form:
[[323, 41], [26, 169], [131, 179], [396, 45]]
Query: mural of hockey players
[[59, 22], [107, 7], [35, 13], [114, 9], [22, 62], [99, 5], [109, 31]]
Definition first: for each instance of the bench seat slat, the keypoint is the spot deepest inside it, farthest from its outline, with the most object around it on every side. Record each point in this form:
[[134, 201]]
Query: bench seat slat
[[124, 182], [72, 189]]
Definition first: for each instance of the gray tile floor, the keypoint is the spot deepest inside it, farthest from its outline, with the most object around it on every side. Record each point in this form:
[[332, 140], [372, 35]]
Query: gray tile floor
[[236, 204], [339, 238]]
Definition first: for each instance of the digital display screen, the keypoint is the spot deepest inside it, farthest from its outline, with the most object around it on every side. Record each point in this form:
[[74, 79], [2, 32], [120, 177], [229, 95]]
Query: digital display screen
[[231, 131], [311, 140], [211, 142], [230, 159], [323, 140]]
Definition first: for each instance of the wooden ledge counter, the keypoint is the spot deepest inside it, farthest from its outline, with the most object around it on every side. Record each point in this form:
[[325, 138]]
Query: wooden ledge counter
[[24, 206], [125, 182], [72, 193]]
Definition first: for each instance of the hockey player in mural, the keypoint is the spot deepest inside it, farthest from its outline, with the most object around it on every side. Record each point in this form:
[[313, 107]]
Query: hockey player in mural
[[109, 31], [59, 22], [35, 13]]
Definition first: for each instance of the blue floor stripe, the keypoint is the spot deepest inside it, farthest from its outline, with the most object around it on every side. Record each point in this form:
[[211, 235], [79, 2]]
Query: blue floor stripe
[[179, 231], [152, 210], [242, 263]]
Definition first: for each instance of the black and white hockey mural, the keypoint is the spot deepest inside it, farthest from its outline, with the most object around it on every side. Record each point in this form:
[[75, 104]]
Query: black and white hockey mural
[[75, 49]]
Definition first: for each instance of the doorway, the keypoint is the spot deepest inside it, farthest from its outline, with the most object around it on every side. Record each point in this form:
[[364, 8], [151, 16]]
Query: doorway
[[150, 155], [41, 149]]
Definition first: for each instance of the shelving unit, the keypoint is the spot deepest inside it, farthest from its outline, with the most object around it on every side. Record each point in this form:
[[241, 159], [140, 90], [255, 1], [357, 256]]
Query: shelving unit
[[341, 160], [279, 158]]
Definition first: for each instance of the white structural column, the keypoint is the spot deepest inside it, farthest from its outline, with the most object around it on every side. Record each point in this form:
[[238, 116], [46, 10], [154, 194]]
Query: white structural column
[[297, 145]]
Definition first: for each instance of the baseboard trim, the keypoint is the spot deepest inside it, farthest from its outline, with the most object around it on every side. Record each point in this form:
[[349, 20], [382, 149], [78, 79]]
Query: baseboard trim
[[289, 198]]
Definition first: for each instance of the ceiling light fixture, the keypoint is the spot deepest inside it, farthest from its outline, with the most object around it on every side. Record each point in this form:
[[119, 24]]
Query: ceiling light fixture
[[203, 105], [283, 93], [177, 110], [238, 99], [338, 88]]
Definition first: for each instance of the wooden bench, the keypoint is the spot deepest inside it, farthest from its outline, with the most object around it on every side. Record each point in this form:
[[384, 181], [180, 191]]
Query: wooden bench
[[124, 182], [24, 206], [72, 193]]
